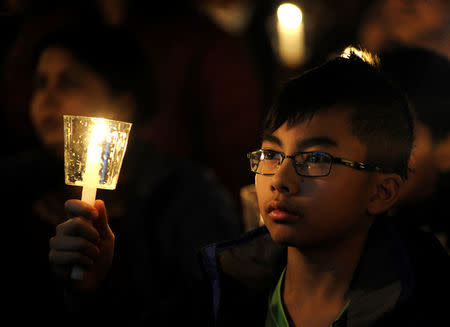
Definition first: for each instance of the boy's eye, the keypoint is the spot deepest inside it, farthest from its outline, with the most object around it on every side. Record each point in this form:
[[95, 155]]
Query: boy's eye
[[318, 157], [269, 155]]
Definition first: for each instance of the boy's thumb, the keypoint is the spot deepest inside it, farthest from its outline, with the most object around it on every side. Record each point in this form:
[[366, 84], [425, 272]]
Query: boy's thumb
[[101, 223]]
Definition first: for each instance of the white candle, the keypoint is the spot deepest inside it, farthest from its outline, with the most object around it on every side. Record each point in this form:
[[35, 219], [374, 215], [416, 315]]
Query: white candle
[[291, 39], [91, 174], [94, 161]]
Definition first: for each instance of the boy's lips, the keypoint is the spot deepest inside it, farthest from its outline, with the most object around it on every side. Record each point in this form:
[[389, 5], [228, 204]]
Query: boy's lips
[[280, 211]]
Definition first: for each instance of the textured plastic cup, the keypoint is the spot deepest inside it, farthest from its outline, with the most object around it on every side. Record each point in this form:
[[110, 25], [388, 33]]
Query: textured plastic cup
[[111, 144]]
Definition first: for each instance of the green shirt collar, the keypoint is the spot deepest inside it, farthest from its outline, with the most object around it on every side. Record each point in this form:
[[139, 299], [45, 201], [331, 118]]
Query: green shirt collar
[[276, 316]]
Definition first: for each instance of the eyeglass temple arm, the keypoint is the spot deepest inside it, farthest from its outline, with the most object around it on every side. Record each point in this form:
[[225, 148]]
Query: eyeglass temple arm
[[357, 165]]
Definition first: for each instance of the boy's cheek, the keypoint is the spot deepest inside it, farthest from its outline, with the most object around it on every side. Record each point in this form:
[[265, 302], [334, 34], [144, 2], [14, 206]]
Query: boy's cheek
[[258, 185], [262, 190]]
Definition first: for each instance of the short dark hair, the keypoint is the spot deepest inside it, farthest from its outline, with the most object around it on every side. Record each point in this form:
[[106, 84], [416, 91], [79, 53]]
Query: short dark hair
[[112, 52], [424, 75], [380, 115]]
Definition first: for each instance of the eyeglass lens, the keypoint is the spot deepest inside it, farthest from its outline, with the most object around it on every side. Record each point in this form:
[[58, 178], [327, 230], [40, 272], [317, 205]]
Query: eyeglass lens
[[306, 164]]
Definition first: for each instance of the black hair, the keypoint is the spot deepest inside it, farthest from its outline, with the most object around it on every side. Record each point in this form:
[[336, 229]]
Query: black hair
[[113, 53], [380, 115], [424, 75]]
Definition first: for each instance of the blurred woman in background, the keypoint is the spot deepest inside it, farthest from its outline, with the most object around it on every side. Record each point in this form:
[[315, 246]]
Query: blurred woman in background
[[96, 70]]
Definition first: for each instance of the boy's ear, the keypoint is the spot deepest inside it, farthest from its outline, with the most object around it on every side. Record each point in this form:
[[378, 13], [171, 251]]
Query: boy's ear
[[385, 194]]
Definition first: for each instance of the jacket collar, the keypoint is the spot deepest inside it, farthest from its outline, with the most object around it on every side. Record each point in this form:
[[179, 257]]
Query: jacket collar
[[253, 261], [382, 280]]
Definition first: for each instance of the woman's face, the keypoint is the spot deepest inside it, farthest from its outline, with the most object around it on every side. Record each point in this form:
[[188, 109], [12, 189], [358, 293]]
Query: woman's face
[[65, 86]]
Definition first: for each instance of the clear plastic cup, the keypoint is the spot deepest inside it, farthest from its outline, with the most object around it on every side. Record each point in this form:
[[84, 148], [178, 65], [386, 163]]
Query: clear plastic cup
[[93, 151]]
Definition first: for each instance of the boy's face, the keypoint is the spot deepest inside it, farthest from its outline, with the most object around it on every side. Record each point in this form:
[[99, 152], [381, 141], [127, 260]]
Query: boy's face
[[313, 211]]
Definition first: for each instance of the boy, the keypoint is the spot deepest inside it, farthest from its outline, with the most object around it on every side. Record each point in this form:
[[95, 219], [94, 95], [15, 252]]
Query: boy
[[333, 158]]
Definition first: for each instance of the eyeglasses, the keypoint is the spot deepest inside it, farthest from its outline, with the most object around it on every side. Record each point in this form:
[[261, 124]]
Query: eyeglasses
[[310, 164]]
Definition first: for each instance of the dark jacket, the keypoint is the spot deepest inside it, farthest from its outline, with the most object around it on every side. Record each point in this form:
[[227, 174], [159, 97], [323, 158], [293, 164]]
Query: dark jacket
[[402, 279]]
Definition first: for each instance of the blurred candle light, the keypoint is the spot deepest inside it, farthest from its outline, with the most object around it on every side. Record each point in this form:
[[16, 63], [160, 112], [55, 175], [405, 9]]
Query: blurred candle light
[[290, 30]]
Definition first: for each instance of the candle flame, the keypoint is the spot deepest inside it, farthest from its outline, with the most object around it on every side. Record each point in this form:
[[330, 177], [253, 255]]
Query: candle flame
[[289, 15], [98, 133]]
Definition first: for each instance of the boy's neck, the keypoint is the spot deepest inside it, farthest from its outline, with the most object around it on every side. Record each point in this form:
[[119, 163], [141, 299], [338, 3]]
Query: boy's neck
[[323, 272]]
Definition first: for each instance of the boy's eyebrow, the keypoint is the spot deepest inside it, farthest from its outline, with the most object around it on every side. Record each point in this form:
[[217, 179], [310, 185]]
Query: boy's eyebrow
[[305, 143], [271, 138], [315, 141]]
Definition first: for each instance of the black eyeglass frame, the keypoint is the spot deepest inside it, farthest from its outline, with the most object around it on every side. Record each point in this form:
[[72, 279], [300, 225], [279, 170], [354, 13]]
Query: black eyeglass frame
[[334, 160]]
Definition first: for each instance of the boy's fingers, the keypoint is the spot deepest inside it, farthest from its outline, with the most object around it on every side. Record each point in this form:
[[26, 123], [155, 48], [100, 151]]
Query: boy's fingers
[[69, 258], [70, 243], [78, 208], [101, 223], [78, 227]]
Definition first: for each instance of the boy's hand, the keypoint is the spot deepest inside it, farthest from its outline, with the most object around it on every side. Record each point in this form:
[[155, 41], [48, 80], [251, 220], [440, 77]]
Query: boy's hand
[[85, 239]]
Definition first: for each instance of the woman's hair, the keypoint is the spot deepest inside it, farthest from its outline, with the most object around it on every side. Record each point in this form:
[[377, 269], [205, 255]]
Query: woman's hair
[[380, 115], [115, 54]]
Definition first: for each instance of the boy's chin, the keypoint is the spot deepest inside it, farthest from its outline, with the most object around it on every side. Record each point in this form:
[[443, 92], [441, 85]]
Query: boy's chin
[[292, 239], [286, 238]]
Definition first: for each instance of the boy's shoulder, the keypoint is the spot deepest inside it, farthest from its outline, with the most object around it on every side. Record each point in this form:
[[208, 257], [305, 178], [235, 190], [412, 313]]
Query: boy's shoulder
[[400, 278], [430, 264], [430, 260], [422, 245], [421, 254]]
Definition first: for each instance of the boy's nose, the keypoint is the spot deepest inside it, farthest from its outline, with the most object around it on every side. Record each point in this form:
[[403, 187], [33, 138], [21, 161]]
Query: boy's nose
[[286, 180]]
